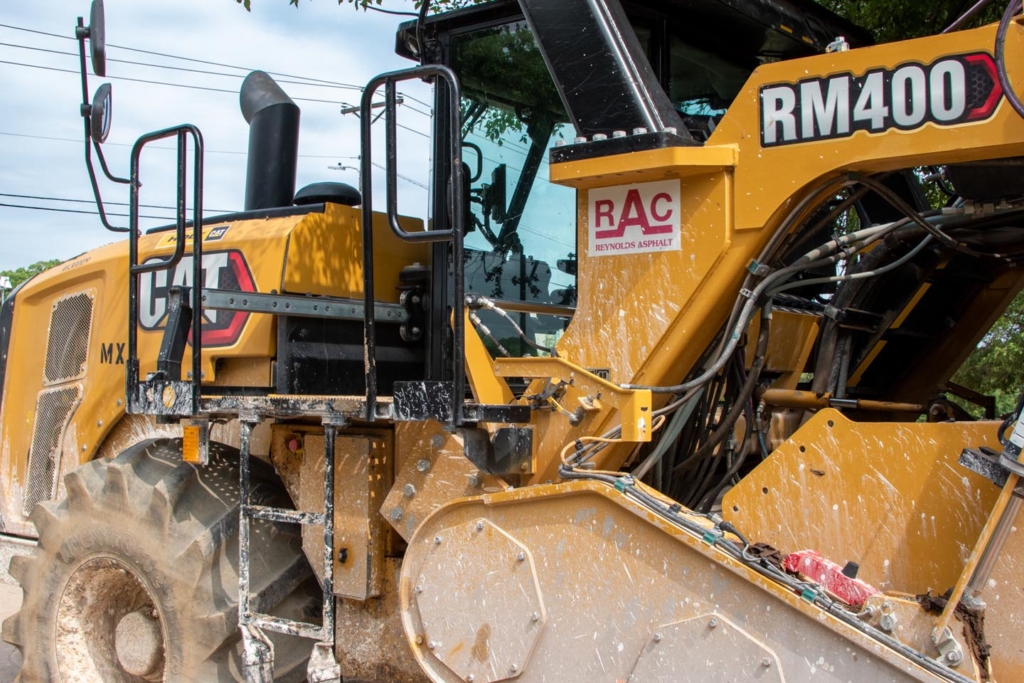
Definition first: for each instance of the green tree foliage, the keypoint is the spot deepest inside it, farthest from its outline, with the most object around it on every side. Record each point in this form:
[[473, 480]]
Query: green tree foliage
[[438, 5], [890, 20], [19, 275], [996, 367]]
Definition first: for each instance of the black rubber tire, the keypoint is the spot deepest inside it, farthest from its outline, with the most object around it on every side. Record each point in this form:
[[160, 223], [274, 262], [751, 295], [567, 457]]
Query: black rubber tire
[[146, 519]]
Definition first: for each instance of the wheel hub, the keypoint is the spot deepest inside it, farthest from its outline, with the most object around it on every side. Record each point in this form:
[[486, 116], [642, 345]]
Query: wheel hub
[[107, 626], [138, 643]]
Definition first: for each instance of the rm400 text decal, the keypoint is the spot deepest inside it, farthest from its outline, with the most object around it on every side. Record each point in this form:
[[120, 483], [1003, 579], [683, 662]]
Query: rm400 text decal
[[950, 91]]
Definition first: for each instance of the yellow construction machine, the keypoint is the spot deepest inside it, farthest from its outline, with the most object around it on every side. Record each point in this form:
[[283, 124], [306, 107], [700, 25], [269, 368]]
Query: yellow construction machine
[[659, 391]]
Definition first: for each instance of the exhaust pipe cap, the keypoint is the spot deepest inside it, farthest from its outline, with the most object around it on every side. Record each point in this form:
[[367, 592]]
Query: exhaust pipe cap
[[258, 92]]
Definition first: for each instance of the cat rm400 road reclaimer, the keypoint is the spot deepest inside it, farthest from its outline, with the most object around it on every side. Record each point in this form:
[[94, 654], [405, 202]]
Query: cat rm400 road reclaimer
[[659, 392]]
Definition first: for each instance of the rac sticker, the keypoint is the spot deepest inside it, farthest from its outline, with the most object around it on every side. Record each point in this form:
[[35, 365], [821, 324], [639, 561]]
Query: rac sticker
[[221, 270], [950, 91], [635, 219]]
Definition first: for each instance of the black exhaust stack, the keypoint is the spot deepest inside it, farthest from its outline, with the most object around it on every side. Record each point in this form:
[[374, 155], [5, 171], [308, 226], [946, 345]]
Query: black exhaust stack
[[273, 142]]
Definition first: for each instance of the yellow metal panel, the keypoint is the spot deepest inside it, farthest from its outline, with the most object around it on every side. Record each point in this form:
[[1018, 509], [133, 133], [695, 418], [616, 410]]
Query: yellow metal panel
[[263, 245], [889, 496], [487, 387], [642, 167], [325, 255], [669, 305], [646, 317], [986, 537], [102, 387], [613, 574], [634, 407], [758, 169], [790, 345], [431, 469]]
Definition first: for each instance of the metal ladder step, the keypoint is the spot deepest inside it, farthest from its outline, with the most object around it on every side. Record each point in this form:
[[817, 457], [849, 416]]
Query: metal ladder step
[[286, 626], [282, 515], [257, 652]]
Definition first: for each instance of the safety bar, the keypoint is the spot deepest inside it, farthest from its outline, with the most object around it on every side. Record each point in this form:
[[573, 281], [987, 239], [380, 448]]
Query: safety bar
[[136, 269], [455, 234]]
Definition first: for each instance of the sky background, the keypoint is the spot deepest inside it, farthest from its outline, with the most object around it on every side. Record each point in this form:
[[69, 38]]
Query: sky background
[[41, 148]]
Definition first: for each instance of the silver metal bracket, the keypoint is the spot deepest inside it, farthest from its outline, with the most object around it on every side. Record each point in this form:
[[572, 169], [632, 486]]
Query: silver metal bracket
[[300, 306], [950, 652], [257, 656], [323, 667]]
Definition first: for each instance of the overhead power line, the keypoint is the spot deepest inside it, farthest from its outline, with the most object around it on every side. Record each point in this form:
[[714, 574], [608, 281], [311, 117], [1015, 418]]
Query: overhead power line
[[193, 87], [403, 177], [170, 67], [93, 201], [206, 73], [42, 33], [79, 141], [93, 213], [152, 82], [303, 80], [189, 59]]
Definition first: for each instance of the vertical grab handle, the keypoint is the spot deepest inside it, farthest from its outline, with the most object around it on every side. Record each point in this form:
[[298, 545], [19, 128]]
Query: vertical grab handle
[[181, 133], [455, 234]]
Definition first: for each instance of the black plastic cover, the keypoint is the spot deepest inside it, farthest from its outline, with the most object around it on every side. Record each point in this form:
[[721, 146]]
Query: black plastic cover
[[322, 193]]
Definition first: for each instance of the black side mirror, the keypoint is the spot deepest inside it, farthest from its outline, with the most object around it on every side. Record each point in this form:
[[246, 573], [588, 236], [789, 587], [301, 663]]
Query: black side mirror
[[100, 114], [98, 39], [495, 198]]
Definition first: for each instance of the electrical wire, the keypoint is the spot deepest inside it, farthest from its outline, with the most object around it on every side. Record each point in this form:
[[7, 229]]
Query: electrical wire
[[187, 59], [91, 213], [859, 275], [578, 443], [164, 83], [743, 309], [679, 419], [734, 337], [1012, 9], [478, 301], [184, 69], [191, 87], [714, 534], [746, 390], [312, 84], [93, 201], [78, 141]]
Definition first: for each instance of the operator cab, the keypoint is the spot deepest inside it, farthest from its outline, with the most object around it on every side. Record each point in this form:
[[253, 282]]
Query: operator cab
[[528, 90]]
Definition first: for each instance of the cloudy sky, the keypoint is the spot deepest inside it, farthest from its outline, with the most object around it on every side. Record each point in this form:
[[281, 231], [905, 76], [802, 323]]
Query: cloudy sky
[[41, 149]]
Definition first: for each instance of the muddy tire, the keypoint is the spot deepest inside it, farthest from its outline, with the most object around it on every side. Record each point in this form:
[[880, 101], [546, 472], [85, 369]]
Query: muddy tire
[[136, 575]]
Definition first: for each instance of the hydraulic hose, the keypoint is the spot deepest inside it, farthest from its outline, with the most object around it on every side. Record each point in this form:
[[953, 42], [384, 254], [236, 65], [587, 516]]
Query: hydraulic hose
[[1004, 80], [745, 393]]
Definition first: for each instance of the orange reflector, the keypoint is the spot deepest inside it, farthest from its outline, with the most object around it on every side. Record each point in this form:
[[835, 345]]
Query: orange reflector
[[190, 444]]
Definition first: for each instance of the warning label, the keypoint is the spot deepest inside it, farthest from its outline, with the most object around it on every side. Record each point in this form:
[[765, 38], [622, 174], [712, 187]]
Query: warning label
[[635, 219]]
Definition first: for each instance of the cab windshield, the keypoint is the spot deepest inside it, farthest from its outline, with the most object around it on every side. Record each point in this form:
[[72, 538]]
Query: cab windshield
[[522, 244]]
